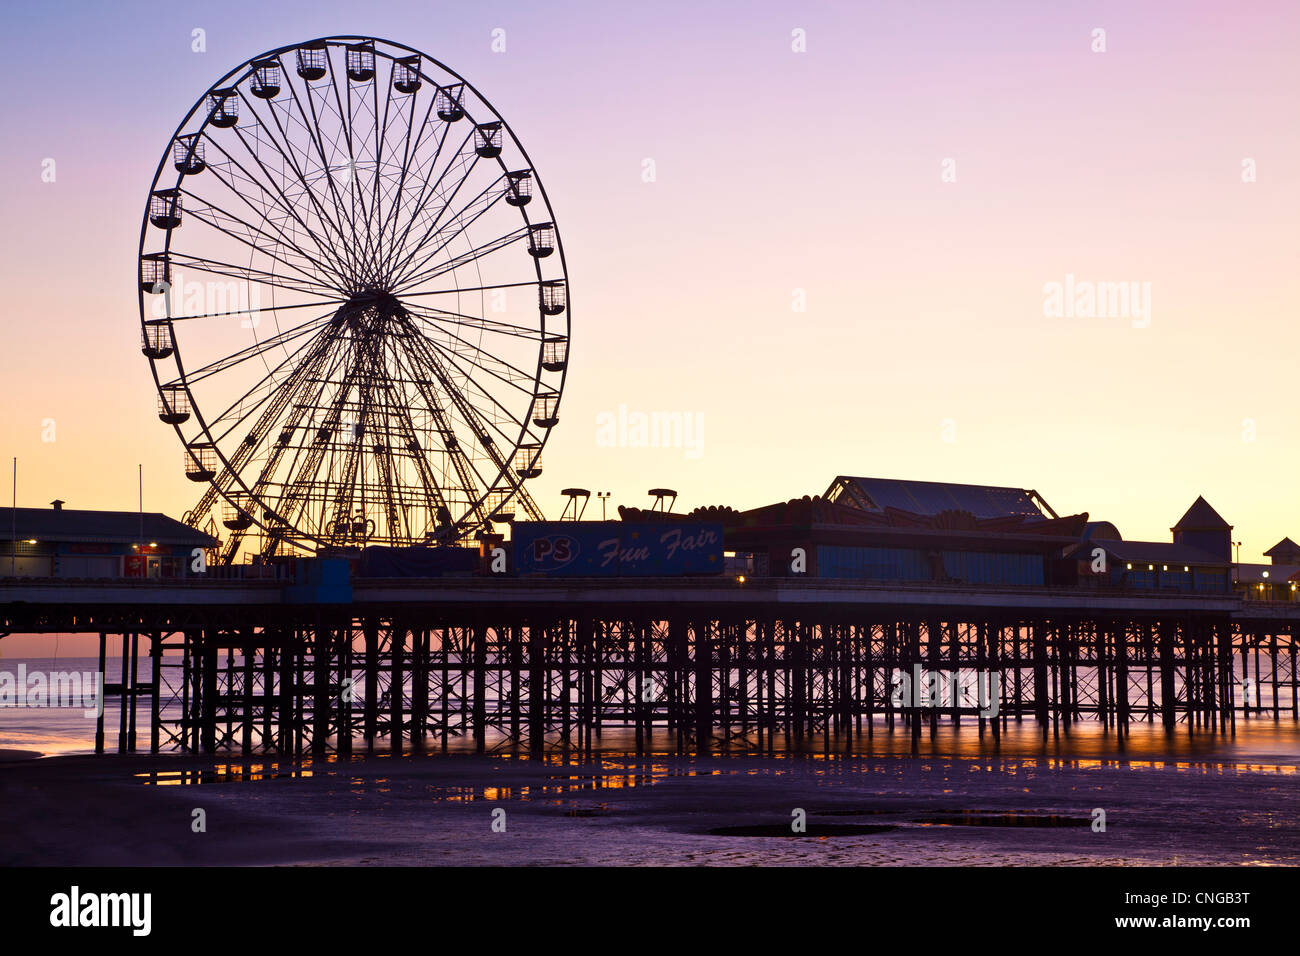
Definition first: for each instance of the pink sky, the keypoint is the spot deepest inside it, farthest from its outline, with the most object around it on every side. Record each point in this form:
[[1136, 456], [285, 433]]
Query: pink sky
[[775, 171]]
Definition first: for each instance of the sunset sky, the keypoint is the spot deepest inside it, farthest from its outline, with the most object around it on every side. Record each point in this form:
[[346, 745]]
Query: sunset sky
[[780, 176]]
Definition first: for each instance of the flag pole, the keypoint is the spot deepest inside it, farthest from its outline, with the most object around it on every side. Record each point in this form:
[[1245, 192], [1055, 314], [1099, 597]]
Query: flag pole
[[13, 560]]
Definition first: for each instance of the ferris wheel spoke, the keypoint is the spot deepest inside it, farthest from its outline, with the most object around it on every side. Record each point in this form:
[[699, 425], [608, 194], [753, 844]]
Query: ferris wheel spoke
[[266, 308], [280, 198], [381, 130], [485, 200], [229, 421], [273, 403], [384, 462], [438, 195], [424, 376], [345, 118], [513, 382], [478, 252], [326, 250], [225, 171], [230, 270], [211, 222], [212, 215], [451, 359], [327, 169], [252, 351], [435, 317], [526, 502], [408, 152], [357, 142], [409, 435], [277, 397], [472, 288], [445, 198], [395, 421], [346, 487], [427, 356], [312, 128], [286, 154], [344, 112], [520, 374], [467, 473], [297, 497], [293, 423], [242, 406], [246, 451], [423, 176]]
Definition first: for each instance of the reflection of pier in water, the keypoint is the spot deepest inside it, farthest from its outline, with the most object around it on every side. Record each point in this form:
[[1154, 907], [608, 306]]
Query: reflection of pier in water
[[714, 663]]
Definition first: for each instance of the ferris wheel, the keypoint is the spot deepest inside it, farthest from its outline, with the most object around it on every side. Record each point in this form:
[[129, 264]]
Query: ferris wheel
[[353, 300]]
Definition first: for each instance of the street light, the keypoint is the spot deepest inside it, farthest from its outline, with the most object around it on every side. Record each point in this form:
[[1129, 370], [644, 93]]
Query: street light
[[602, 495]]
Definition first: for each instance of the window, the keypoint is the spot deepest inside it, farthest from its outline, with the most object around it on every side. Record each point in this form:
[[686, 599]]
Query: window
[[1210, 581], [981, 567], [883, 564]]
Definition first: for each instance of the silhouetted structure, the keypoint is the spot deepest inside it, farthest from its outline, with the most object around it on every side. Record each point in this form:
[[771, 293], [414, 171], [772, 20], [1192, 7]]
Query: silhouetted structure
[[1202, 528], [65, 543], [397, 407], [336, 659]]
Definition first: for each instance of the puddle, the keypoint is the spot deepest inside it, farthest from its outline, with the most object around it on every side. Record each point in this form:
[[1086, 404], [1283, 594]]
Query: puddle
[[1000, 818], [814, 830], [221, 773]]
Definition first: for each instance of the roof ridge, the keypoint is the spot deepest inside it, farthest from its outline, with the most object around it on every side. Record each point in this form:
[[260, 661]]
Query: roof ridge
[[1201, 516], [1285, 545]]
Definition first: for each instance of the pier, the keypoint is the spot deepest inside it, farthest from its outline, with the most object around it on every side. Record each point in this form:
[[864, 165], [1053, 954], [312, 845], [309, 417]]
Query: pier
[[248, 666]]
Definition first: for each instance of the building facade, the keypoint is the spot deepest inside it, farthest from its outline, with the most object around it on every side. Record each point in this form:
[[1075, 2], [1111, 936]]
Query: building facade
[[64, 543]]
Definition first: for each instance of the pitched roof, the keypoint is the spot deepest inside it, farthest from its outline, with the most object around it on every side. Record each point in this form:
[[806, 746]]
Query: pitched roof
[[934, 497], [1283, 547], [807, 512], [113, 527], [1201, 517]]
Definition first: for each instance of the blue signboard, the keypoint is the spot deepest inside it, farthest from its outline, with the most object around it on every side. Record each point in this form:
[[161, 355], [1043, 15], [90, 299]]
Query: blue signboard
[[616, 548], [320, 581], [417, 562]]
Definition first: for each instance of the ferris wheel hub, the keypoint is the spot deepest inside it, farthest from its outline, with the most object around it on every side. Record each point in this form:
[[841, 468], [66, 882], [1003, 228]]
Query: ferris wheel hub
[[373, 298], [368, 312]]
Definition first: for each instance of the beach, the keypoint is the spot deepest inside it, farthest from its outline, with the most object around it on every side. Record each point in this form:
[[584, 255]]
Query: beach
[[1166, 802]]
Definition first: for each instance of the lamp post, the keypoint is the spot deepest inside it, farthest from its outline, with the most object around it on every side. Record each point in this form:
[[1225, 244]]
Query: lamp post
[[602, 495]]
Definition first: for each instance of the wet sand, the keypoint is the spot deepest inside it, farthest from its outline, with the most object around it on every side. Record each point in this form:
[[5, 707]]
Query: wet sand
[[436, 809], [10, 756]]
